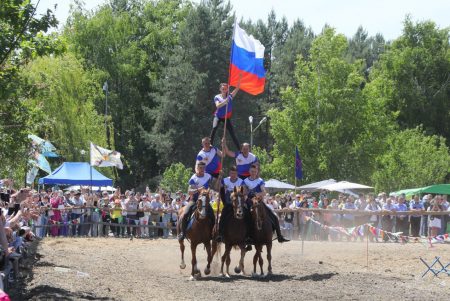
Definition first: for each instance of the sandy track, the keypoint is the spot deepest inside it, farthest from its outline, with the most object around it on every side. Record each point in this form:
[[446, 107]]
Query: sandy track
[[120, 269]]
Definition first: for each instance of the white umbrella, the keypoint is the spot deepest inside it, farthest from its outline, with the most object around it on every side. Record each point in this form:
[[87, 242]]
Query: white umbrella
[[276, 184], [108, 188], [344, 185]]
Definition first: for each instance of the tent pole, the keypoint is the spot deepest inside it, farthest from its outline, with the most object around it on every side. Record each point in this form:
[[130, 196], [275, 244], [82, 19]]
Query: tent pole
[[91, 176]]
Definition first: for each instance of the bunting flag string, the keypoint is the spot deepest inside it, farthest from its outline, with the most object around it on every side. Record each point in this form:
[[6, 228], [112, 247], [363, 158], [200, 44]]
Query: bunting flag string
[[377, 232], [69, 222], [78, 221]]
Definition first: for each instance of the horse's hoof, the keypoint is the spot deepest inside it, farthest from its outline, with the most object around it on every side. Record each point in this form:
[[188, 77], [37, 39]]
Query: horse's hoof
[[227, 276], [191, 278], [207, 271], [182, 266], [237, 270], [254, 275], [198, 276]]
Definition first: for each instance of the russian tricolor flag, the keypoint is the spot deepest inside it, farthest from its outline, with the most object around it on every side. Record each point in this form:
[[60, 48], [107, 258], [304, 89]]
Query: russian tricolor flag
[[247, 58]]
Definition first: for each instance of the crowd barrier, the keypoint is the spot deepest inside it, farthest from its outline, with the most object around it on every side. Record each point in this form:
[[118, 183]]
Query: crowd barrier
[[165, 220]]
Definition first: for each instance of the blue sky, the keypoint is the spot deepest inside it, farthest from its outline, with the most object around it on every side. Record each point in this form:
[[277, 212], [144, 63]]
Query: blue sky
[[376, 16]]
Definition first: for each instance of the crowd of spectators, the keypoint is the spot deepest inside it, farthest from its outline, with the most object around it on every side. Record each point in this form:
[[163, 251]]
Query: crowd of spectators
[[416, 225], [129, 214], [146, 215], [84, 213]]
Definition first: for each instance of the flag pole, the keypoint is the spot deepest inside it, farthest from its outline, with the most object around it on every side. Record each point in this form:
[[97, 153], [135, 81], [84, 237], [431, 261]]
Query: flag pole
[[91, 176], [228, 83], [295, 170], [90, 165], [225, 128], [295, 189]]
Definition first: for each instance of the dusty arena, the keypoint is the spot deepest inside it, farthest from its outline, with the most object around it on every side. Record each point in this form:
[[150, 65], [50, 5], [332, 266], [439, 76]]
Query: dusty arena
[[123, 269]]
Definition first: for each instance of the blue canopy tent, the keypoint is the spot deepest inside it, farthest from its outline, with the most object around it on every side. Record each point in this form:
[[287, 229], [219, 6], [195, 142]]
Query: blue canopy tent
[[76, 173]]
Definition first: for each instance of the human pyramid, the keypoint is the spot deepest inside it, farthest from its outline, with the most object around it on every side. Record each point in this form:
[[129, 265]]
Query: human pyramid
[[208, 172]]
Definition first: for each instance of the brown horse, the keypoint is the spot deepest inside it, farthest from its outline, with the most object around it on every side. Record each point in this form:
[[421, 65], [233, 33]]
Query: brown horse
[[262, 235], [235, 232], [200, 232]]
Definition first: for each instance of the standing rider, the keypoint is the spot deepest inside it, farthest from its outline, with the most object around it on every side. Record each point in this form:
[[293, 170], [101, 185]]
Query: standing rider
[[244, 159], [223, 113], [200, 180]]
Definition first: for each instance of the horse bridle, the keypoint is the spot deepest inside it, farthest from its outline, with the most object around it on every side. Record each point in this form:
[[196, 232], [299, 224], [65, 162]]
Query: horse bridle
[[237, 214], [202, 211]]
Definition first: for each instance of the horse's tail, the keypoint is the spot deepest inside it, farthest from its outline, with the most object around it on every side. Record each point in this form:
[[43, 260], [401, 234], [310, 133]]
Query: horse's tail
[[218, 254]]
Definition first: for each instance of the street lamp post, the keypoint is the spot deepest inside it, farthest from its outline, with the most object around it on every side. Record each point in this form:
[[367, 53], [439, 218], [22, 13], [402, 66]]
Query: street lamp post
[[105, 89], [82, 152], [250, 118]]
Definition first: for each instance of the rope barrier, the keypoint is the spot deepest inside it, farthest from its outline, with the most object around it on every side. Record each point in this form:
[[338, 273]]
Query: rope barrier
[[284, 210]]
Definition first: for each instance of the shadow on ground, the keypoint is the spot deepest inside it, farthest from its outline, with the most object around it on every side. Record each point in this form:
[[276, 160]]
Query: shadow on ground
[[46, 292], [18, 291], [316, 277], [48, 264], [271, 278]]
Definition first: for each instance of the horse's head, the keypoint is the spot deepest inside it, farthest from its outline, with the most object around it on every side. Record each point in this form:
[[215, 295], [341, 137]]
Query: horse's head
[[237, 200], [258, 211], [202, 203]]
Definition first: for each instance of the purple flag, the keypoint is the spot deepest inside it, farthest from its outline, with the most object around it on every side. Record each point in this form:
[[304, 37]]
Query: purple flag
[[298, 165]]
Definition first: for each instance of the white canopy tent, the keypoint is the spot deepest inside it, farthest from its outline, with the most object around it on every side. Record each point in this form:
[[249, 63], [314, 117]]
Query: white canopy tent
[[278, 185], [343, 186], [317, 185]]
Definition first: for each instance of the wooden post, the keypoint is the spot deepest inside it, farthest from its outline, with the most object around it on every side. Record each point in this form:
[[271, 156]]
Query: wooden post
[[296, 225], [367, 247]]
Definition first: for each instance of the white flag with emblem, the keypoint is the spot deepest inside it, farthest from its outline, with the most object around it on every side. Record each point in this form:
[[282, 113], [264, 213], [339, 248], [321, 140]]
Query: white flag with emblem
[[103, 157]]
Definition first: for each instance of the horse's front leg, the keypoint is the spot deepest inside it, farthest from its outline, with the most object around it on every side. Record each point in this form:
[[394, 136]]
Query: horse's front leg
[[182, 247], [240, 269], [195, 271], [261, 260], [228, 248], [269, 258], [213, 248], [255, 260], [210, 257], [224, 257]]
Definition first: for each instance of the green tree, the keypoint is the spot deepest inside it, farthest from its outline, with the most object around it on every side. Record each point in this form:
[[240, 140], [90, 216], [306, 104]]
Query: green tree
[[22, 38], [285, 55], [329, 117], [23, 34], [363, 47], [176, 177], [413, 78], [60, 96], [412, 159], [268, 170], [131, 41]]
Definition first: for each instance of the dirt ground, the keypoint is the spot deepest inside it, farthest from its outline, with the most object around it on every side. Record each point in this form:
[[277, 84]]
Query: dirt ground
[[121, 269]]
